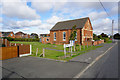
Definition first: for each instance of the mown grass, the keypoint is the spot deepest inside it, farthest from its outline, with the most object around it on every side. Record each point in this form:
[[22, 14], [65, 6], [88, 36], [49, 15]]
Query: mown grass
[[110, 41], [57, 55]]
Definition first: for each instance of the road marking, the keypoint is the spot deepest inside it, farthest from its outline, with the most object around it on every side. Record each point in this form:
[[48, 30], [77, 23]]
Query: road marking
[[79, 74]]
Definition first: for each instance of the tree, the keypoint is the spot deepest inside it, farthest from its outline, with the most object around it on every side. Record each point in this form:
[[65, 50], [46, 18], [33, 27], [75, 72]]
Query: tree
[[95, 37], [34, 35], [104, 35], [116, 36], [100, 36], [73, 33]]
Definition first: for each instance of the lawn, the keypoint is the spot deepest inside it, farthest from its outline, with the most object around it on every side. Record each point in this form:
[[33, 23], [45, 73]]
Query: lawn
[[53, 54]]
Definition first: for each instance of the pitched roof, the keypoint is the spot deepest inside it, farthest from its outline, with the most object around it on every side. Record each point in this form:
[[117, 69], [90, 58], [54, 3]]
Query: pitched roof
[[70, 23], [19, 33], [5, 33]]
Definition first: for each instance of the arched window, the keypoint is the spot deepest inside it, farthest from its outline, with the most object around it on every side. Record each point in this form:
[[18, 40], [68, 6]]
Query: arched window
[[76, 37], [64, 36], [55, 36]]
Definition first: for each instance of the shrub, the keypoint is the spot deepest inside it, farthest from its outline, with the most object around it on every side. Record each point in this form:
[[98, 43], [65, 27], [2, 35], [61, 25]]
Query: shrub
[[106, 39]]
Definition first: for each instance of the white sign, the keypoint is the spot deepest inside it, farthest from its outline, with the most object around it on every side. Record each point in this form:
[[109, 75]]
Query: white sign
[[66, 45], [72, 42]]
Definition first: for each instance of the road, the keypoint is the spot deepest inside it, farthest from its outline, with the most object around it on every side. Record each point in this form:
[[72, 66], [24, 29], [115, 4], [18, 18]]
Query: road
[[35, 67], [106, 67]]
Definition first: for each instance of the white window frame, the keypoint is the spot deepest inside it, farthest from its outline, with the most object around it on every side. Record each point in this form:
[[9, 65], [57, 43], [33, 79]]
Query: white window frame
[[64, 37], [76, 37], [54, 36]]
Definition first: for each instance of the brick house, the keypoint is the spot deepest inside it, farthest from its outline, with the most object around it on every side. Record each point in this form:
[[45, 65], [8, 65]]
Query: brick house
[[61, 31], [45, 38], [7, 34], [21, 35]]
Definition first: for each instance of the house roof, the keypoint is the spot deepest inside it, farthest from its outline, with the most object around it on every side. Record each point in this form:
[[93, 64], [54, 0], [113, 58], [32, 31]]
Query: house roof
[[5, 33], [70, 23], [19, 33]]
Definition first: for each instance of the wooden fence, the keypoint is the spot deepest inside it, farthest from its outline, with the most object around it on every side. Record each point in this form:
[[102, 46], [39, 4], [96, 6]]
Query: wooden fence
[[23, 48], [8, 52]]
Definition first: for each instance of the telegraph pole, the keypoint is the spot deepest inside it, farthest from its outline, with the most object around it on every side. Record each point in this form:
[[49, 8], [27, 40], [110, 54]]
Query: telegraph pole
[[112, 29]]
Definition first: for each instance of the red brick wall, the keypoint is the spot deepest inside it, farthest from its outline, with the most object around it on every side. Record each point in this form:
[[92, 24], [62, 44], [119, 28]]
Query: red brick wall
[[59, 36], [44, 40], [98, 42]]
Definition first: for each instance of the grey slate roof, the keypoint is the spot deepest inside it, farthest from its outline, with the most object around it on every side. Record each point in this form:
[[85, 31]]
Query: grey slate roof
[[5, 34], [69, 24]]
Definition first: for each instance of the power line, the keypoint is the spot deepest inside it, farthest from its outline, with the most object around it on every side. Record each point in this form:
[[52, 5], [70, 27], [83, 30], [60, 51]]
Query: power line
[[104, 9]]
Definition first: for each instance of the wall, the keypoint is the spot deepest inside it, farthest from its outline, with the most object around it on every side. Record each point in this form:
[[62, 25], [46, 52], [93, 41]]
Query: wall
[[97, 42], [59, 37], [44, 40]]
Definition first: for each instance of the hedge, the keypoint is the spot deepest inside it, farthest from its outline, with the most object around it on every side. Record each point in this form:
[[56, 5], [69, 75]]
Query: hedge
[[21, 39]]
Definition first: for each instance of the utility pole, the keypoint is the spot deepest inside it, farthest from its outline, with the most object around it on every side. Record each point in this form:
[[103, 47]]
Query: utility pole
[[112, 29]]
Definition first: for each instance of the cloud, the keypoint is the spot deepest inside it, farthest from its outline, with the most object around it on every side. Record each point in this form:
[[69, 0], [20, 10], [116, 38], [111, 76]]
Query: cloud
[[97, 15], [21, 24], [102, 26], [46, 5], [53, 20], [0, 19], [18, 9]]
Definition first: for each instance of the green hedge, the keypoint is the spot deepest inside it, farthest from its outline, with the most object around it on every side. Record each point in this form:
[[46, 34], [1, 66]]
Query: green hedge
[[22, 39]]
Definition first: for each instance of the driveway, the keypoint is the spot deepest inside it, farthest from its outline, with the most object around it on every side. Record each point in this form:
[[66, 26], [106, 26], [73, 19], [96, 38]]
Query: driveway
[[34, 67]]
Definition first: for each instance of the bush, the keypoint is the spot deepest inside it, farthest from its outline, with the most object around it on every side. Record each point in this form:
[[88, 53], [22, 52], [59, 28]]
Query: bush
[[106, 39]]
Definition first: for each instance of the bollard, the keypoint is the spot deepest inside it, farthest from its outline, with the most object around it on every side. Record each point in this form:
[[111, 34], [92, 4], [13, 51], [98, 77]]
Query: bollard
[[74, 47], [65, 52], [71, 50], [43, 52], [36, 51]]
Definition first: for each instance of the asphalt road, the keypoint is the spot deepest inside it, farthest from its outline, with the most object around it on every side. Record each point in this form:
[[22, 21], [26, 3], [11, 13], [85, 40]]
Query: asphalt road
[[106, 67], [34, 67]]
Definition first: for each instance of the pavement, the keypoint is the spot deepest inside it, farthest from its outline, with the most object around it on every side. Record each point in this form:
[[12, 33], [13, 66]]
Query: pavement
[[35, 67], [91, 55]]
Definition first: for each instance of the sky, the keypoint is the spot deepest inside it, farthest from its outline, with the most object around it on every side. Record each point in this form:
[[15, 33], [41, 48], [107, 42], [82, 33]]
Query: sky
[[39, 16]]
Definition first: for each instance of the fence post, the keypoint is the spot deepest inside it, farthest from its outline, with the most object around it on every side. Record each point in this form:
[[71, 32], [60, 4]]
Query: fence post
[[43, 52], [80, 47], [74, 47], [10, 44], [65, 52], [36, 51], [84, 45], [30, 49], [18, 50], [87, 44], [71, 50]]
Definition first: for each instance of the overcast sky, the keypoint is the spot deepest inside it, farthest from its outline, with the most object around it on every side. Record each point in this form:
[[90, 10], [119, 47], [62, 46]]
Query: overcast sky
[[40, 16]]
